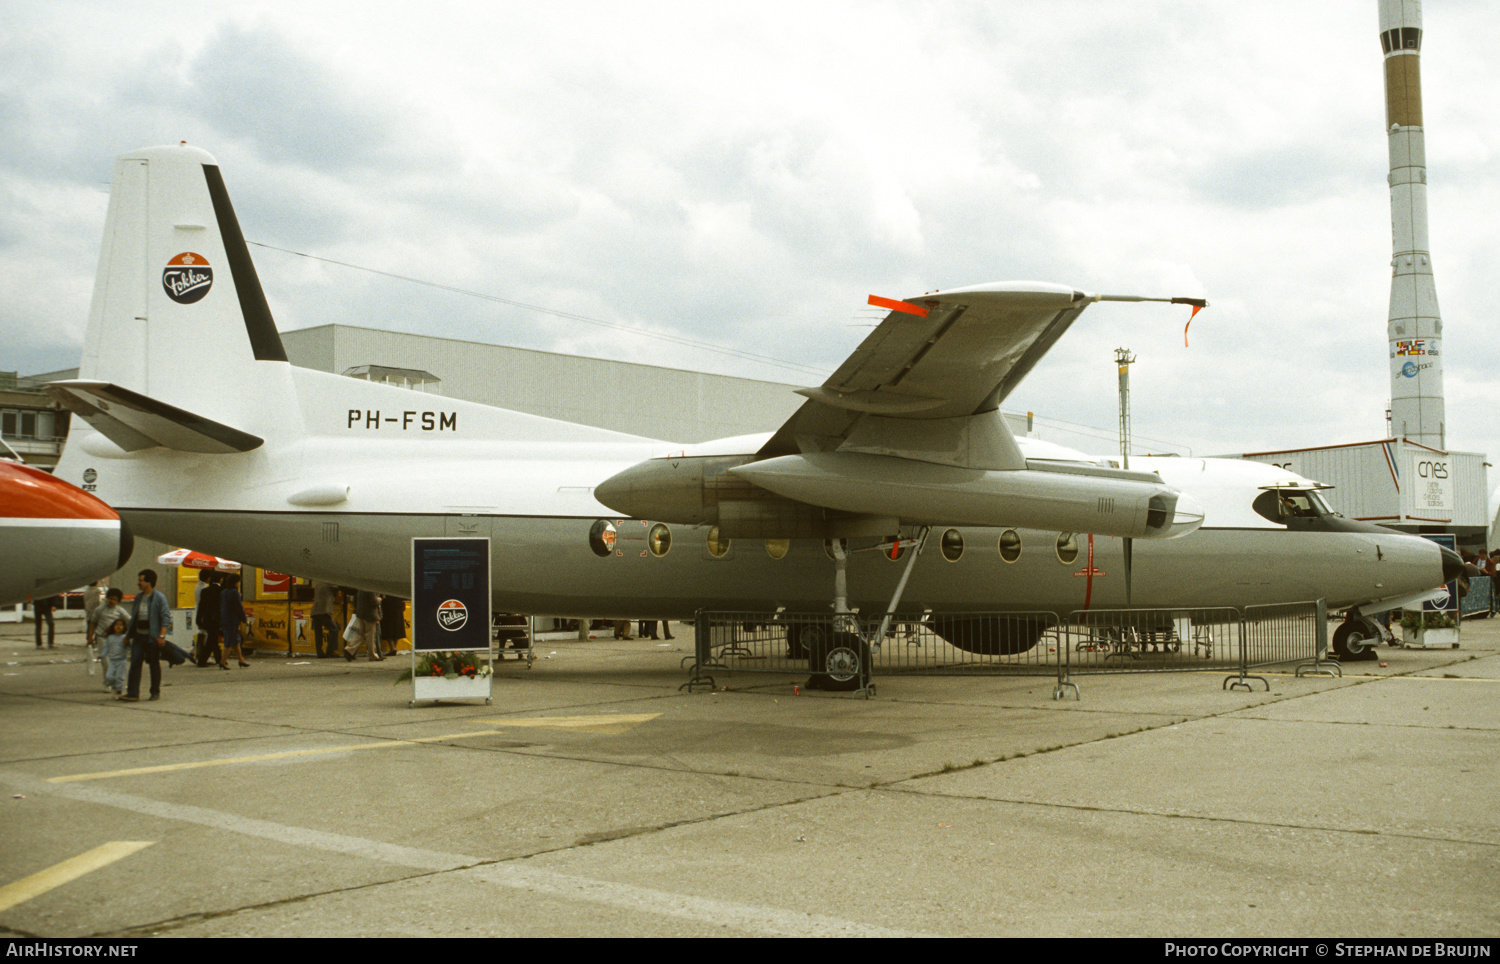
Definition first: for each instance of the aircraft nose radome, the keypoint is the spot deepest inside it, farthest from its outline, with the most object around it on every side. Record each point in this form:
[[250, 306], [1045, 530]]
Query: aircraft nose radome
[[1453, 564]]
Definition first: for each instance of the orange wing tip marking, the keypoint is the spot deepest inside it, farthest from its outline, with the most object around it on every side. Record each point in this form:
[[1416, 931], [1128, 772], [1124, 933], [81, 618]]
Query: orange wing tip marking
[[894, 305]]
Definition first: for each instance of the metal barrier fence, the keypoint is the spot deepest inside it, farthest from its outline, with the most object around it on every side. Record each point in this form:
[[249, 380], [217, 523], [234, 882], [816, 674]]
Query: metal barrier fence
[[847, 652], [1287, 633], [1136, 640]]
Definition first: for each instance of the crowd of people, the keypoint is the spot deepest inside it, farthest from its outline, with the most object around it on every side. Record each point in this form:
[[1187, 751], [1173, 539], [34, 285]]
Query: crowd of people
[[1486, 565], [131, 637]]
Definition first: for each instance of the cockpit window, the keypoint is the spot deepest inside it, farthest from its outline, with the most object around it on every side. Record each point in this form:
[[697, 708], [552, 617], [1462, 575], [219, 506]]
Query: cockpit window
[[1282, 505]]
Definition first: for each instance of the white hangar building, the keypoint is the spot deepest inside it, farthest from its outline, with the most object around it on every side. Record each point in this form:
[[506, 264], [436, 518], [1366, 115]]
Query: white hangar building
[[649, 400]]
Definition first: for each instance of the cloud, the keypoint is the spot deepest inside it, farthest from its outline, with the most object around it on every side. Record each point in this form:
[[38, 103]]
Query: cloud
[[714, 174]]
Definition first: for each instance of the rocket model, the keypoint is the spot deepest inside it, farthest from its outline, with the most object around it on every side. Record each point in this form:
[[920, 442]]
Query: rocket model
[[1415, 330]]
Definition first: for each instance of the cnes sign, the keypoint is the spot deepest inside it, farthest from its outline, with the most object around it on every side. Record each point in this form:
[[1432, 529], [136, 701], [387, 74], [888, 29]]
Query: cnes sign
[[1427, 489]]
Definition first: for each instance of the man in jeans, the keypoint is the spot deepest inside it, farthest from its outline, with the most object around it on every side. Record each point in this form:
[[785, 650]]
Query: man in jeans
[[150, 618], [41, 609]]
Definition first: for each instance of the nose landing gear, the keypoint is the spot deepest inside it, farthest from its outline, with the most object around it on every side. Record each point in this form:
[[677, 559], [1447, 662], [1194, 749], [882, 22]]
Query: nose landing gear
[[1356, 638]]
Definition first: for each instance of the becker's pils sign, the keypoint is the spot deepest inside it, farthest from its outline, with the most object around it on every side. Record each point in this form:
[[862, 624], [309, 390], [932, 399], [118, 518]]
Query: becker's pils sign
[[187, 278]]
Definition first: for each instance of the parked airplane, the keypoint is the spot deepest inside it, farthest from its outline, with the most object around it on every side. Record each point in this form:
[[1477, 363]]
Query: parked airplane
[[201, 434], [52, 536]]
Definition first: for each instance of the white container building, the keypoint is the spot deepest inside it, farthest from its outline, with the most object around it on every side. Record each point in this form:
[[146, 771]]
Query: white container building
[[1399, 483]]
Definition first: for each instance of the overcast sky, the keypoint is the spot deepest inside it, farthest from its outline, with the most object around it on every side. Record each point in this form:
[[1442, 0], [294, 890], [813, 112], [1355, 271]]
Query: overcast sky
[[744, 176]]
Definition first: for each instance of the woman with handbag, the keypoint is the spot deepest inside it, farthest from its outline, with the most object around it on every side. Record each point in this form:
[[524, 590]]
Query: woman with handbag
[[232, 616]]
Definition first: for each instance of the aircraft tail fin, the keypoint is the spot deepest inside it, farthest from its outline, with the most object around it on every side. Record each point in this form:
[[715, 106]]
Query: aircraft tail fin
[[182, 352], [178, 321]]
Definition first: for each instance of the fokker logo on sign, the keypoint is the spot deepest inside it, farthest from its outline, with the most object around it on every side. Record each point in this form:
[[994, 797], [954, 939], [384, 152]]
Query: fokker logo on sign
[[451, 614], [187, 278]]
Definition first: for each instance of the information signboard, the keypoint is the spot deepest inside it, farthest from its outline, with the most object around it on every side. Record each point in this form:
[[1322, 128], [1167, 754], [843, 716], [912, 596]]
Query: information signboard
[[1448, 602], [450, 594]]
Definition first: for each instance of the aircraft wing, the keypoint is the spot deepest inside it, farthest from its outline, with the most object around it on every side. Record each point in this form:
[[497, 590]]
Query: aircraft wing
[[908, 432], [943, 356]]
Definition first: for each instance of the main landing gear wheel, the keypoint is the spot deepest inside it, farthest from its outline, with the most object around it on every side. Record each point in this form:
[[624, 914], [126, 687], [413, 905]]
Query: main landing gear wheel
[[1353, 643], [837, 663], [800, 636]]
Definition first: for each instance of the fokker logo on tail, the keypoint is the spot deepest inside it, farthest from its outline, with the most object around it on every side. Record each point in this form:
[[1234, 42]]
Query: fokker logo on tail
[[187, 278]]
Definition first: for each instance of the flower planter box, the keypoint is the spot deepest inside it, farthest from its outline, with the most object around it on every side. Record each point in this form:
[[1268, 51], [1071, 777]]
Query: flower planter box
[[451, 688], [1433, 637]]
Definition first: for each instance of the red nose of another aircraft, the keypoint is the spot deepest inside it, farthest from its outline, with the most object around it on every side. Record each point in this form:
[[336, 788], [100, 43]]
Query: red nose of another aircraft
[[53, 536]]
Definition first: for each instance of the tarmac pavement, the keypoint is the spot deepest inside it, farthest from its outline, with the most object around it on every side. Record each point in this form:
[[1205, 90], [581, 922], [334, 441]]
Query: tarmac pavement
[[301, 797]]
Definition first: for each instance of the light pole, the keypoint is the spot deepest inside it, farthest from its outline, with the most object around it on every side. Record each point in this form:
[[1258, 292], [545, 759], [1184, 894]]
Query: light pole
[[1123, 360]]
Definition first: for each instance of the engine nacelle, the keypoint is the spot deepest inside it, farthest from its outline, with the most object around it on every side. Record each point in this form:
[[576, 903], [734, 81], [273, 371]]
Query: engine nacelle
[[684, 490], [699, 490], [1063, 499], [819, 495]]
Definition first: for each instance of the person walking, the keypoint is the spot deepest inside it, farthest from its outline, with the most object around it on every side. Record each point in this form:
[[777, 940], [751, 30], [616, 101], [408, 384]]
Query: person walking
[[210, 601], [392, 623], [98, 628], [366, 625], [104, 617], [325, 630], [150, 619], [231, 617], [116, 656], [93, 598], [42, 609]]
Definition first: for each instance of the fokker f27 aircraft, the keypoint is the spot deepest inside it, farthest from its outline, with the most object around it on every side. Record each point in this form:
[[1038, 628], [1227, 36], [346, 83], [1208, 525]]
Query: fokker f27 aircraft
[[201, 434]]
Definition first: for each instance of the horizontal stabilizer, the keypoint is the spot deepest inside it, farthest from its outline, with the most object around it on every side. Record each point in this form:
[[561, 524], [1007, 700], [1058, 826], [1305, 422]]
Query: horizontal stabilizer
[[134, 422]]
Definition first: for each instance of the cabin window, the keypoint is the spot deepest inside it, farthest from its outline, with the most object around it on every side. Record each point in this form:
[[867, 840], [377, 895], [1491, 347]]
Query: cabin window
[[1010, 545], [892, 548], [602, 538], [717, 547], [952, 545], [777, 548], [1067, 548], [659, 540]]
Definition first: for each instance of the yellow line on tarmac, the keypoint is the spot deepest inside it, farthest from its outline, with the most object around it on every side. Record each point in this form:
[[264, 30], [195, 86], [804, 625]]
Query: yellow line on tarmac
[[71, 869], [1452, 679], [612, 724], [286, 754]]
